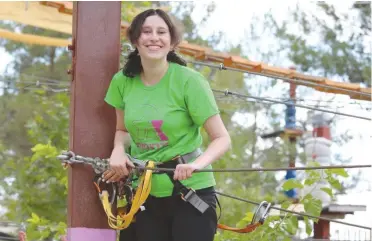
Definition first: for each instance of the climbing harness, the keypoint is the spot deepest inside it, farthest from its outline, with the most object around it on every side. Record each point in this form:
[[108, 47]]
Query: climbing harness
[[126, 215], [187, 194], [124, 219]]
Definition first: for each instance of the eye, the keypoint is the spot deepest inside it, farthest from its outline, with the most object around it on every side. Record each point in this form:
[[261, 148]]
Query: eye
[[147, 31], [162, 32]]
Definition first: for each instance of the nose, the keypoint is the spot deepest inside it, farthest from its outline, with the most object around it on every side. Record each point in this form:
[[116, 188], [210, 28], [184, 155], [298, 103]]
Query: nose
[[154, 36]]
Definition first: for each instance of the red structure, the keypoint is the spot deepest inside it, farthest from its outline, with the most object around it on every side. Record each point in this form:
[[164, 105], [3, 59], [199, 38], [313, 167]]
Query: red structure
[[96, 51]]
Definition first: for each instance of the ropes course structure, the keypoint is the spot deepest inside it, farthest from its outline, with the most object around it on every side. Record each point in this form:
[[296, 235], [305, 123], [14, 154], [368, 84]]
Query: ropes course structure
[[197, 52], [145, 168]]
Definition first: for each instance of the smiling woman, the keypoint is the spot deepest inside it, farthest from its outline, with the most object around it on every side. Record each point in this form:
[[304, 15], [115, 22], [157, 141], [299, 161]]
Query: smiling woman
[[161, 105], [155, 37]]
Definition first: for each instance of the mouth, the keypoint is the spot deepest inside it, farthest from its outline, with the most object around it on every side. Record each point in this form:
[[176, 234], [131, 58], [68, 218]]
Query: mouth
[[153, 47]]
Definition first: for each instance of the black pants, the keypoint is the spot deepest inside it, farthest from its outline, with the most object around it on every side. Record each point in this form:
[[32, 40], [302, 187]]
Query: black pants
[[172, 219]]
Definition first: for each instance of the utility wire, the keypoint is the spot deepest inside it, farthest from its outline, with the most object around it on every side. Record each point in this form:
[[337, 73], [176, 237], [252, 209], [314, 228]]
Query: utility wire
[[222, 98], [227, 92], [293, 212], [64, 84], [159, 169], [9, 238], [222, 67]]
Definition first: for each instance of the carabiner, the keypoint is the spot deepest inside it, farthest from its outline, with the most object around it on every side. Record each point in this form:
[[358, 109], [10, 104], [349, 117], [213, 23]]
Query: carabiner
[[261, 213], [97, 183]]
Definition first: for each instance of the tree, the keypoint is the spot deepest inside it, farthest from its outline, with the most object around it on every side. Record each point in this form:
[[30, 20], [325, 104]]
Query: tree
[[339, 51], [36, 185]]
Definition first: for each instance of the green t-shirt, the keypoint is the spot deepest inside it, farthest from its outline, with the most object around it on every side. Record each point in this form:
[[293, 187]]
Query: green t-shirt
[[164, 120]]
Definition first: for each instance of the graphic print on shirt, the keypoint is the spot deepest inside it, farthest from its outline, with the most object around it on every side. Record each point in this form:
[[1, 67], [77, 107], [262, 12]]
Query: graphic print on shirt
[[147, 128]]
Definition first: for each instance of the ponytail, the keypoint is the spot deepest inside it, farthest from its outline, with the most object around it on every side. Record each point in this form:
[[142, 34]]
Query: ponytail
[[175, 58], [133, 65]]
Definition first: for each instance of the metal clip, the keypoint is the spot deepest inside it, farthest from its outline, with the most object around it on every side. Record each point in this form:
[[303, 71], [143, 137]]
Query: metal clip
[[113, 195], [139, 164], [68, 157], [261, 213]]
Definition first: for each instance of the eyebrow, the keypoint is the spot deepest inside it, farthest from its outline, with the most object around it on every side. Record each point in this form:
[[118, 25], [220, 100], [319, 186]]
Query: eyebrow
[[162, 28]]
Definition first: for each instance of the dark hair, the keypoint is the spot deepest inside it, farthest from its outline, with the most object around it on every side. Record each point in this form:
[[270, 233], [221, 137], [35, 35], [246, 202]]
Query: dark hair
[[133, 65]]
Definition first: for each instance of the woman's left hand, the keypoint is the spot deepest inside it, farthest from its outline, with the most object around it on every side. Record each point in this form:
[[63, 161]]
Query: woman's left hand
[[184, 171]]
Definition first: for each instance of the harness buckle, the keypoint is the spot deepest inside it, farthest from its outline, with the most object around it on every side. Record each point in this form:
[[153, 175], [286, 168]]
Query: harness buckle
[[192, 198], [179, 159]]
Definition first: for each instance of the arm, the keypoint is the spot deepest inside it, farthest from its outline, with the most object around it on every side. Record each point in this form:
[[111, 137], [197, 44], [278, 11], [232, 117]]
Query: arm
[[203, 110], [119, 162], [219, 145], [122, 136]]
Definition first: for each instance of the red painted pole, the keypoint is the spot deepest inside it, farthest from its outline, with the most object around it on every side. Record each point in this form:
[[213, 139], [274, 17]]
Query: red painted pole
[[321, 129], [321, 230], [96, 51]]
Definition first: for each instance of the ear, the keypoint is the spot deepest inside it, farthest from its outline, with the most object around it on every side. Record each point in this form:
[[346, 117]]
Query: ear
[[172, 47]]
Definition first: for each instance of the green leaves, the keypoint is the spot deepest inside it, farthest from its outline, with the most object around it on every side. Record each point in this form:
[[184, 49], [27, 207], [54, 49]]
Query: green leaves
[[44, 151], [40, 228], [291, 184], [335, 183], [309, 227], [246, 220], [327, 190], [337, 172], [291, 225], [342, 53], [312, 205]]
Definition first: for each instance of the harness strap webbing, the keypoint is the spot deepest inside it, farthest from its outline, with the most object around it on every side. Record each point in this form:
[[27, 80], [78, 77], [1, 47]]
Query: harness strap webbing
[[123, 220]]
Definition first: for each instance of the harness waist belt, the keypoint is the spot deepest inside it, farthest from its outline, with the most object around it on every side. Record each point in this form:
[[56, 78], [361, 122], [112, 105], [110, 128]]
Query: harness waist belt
[[187, 194], [181, 159]]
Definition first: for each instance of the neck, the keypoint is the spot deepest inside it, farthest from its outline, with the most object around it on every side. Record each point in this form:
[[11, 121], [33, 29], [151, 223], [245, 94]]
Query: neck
[[153, 71]]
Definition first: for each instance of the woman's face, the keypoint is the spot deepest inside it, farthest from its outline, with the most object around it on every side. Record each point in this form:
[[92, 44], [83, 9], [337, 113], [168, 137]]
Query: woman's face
[[154, 42]]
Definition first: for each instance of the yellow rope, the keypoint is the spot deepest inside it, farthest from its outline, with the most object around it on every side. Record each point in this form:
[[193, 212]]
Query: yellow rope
[[122, 221]]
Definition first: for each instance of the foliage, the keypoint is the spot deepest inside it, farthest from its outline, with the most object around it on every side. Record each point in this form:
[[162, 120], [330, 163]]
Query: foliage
[[282, 225], [36, 185], [338, 51]]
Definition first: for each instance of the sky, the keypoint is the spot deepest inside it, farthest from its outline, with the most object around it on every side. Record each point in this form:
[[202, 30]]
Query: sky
[[233, 18]]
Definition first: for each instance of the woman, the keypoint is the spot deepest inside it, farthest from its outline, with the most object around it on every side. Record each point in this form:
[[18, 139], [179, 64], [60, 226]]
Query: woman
[[161, 106]]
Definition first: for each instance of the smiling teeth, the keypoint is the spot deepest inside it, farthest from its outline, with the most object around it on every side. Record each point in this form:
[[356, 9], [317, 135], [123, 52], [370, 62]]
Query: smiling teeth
[[153, 47]]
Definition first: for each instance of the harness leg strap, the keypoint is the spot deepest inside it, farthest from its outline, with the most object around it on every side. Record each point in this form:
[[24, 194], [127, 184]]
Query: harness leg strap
[[188, 195]]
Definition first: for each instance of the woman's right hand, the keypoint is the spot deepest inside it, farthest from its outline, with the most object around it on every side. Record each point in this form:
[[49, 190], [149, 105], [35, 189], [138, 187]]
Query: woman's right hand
[[119, 167]]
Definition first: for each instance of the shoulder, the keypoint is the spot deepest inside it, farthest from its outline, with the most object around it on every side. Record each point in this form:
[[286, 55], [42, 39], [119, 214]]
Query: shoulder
[[187, 74], [120, 77], [120, 80]]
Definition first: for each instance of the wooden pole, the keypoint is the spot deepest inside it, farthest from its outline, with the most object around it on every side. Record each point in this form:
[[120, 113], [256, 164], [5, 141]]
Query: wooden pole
[[322, 230], [322, 227], [96, 50]]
